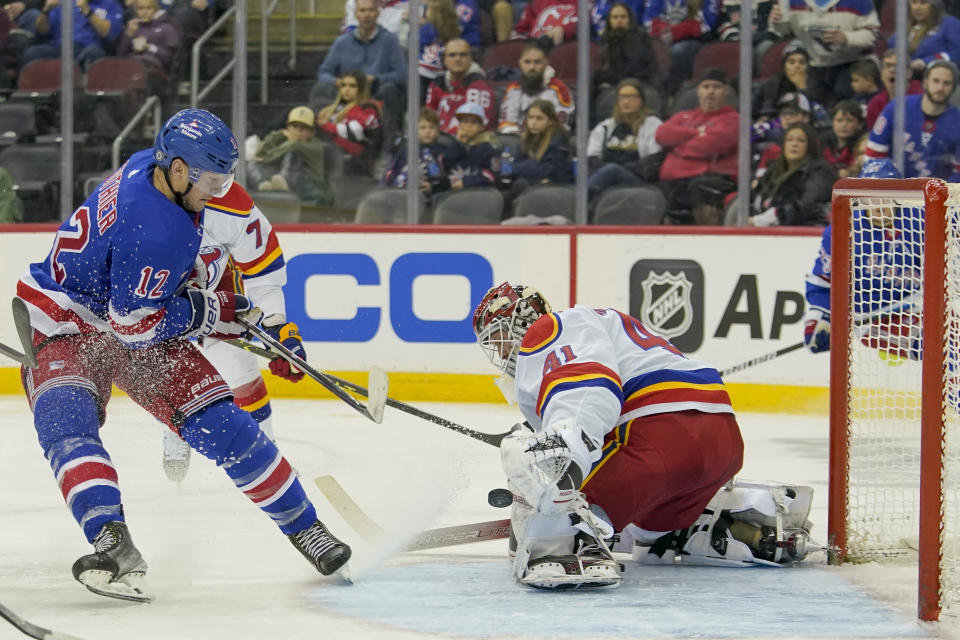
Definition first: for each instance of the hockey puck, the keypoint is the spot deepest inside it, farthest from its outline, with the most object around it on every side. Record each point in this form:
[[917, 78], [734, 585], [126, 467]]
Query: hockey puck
[[500, 498]]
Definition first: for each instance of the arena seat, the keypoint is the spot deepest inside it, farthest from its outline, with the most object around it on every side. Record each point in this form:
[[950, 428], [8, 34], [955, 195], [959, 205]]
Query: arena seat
[[631, 206], [544, 200], [386, 205], [475, 205]]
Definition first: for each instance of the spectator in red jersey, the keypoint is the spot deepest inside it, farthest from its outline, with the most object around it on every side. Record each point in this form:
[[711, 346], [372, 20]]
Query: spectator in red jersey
[[352, 122], [550, 22], [536, 83], [700, 168], [463, 81], [888, 74], [840, 143]]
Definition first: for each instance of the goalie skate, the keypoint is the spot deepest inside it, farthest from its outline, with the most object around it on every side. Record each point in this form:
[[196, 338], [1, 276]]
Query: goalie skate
[[115, 569], [176, 456], [590, 567]]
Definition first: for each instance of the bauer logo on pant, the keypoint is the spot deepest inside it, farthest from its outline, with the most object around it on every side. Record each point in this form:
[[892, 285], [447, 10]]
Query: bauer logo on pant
[[667, 297]]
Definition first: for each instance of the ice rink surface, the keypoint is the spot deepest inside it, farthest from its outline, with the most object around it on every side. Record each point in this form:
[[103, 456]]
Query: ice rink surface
[[221, 569]]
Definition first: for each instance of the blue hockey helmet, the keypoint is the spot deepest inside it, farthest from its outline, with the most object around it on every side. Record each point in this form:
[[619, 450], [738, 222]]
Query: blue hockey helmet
[[879, 168], [205, 143]]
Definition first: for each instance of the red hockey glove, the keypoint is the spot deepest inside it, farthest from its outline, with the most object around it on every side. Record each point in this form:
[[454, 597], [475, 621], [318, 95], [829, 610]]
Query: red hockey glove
[[287, 334]]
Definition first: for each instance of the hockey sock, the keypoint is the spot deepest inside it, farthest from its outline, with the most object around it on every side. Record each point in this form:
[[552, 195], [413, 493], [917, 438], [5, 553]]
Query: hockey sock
[[68, 424], [230, 437], [252, 397]]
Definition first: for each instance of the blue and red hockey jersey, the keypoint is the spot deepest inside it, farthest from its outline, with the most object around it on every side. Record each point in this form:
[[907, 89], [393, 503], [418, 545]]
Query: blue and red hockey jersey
[[118, 264]]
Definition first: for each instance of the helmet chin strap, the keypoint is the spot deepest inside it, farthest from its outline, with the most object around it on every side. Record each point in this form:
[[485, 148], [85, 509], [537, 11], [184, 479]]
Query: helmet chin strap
[[178, 197]]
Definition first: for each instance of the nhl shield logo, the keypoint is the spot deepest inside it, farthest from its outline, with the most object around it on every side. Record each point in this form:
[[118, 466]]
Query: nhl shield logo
[[666, 306]]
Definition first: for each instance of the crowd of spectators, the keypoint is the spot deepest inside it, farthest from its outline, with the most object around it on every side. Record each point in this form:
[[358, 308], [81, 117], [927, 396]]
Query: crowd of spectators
[[655, 120]]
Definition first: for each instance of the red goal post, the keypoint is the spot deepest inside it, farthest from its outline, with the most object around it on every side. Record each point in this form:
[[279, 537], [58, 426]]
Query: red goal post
[[893, 481]]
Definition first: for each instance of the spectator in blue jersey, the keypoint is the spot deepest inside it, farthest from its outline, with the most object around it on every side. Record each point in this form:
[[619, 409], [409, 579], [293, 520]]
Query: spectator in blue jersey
[[97, 25], [438, 26], [835, 36], [396, 173], [932, 34], [378, 54], [931, 128], [627, 51], [884, 235], [468, 14], [473, 158], [120, 307], [682, 24], [796, 188]]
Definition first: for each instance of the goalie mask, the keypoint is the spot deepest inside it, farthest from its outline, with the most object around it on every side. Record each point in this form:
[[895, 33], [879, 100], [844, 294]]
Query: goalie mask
[[502, 319]]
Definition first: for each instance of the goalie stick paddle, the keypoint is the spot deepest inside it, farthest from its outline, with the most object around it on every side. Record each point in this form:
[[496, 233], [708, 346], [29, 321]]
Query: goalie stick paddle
[[492, 439], [376, 397], [369, 530], [31, 629], [21, 319]]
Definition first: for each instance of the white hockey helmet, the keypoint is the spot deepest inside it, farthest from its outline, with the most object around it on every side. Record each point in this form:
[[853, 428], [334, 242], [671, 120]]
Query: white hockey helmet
[[502, 319]]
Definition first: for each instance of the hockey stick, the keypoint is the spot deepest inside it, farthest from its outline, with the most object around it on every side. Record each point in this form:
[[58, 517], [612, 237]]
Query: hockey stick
[[21, 319], [761, 359], [31, 629], [489, 438], [369, 530], [376, 397]]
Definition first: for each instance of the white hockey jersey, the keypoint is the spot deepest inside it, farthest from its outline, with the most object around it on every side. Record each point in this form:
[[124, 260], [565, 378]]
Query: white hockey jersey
[[601, 368], [235, 228]]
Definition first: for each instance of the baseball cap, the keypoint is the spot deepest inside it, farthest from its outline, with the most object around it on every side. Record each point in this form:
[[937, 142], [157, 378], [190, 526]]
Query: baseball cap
[[794, 100], [303, 115], [472, 109]]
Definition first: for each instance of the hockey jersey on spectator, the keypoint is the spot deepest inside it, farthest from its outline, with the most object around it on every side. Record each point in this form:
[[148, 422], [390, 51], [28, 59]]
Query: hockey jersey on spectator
[[446, 94], [932, 145], [118, 264], [476, 163], [943, 43], [601, 368], [356, 128], [674, 16], [541, 16], [235, 229], [513, 109]]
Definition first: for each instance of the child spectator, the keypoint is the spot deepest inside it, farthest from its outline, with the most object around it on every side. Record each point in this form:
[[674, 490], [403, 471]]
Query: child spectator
[[545, 153], [473, 159], [395, 174], [797, 188], [352, 122], [840, 142], [292, 159], [865, 81], [622, 150], [932, 34]]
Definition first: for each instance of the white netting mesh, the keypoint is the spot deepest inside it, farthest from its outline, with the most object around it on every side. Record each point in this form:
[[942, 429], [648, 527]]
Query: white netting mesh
[[884, 350]]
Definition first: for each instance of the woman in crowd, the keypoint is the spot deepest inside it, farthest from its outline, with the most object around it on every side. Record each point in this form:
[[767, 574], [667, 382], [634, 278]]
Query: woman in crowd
[[932, 34], [797, 187], [545, 153], [622, 150], [352, 122], [792, 78], [840, 142]]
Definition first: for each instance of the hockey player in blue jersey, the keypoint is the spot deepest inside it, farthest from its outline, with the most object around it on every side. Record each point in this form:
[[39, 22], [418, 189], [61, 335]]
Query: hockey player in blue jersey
[[886, 276], [931, 128], [110, 305]]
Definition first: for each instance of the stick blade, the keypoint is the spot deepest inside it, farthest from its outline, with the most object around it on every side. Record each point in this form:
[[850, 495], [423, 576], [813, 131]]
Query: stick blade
[[349, 510], [377, 388], [21, 319]]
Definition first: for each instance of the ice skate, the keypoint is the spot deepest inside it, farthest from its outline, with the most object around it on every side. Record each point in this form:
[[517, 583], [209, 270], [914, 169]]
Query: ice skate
[[115, 569], [591, 567], [321, 548], [176, 456]]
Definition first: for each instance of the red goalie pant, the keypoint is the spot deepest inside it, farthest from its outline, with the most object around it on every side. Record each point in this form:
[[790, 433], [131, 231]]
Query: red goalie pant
[[660, 471]]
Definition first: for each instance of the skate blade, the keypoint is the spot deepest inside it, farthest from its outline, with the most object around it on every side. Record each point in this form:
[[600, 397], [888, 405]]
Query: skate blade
[[344, 573], [706, 561], [132, 586], [572, 582]]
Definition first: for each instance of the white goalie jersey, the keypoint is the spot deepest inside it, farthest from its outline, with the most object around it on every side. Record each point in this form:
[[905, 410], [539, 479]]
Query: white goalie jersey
[[239, 242], [600, 368]]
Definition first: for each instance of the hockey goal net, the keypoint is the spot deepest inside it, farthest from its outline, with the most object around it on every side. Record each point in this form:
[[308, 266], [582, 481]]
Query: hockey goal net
[[895, 338]]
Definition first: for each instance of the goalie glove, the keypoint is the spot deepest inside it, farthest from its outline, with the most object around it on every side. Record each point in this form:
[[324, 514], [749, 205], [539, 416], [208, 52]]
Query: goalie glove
[[287, 334], [816, 330], [543, 466]]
